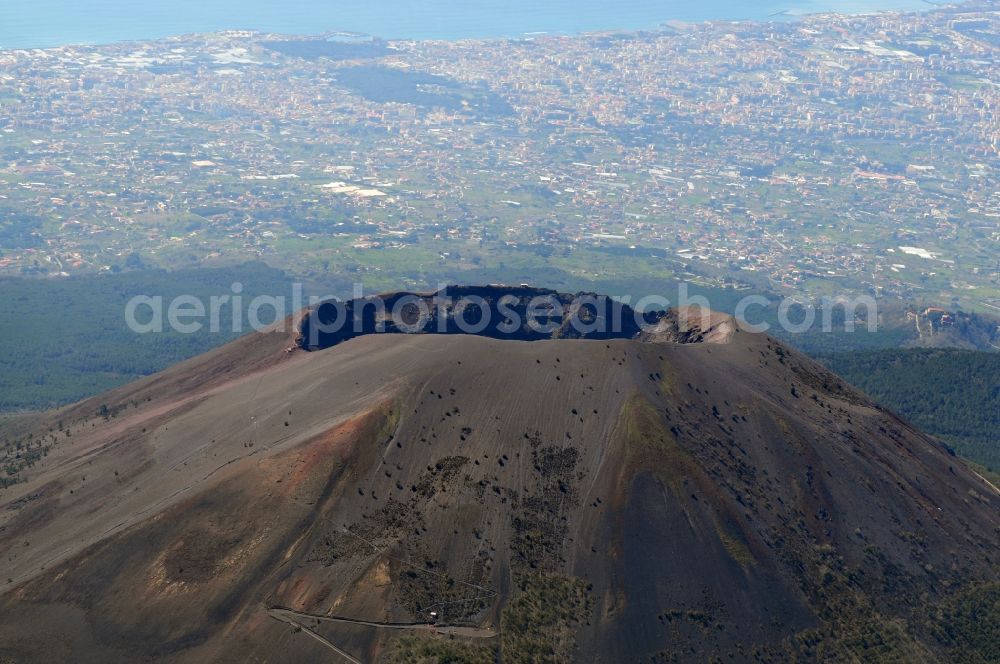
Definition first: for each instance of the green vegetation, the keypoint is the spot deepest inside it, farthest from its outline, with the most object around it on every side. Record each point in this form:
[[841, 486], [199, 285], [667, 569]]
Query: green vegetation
[[67, 339], [21, 454], [969, 624], [963, 628], [384, 84], [18, 229], [650, 445], [735, 546], [951, 394], [422, 650], [816, 342], [537, 625]]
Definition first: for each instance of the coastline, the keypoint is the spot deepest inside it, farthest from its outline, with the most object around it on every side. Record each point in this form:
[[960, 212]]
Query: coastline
[[465, 28]]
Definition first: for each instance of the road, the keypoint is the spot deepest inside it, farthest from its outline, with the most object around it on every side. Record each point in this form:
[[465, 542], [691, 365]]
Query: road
[[296, 624], [295, 619]]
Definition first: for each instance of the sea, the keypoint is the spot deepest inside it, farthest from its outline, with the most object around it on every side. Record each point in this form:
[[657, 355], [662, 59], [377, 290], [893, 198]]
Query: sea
[[44, 23]]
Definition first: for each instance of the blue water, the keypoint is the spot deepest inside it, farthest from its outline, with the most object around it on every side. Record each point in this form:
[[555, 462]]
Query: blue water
[[29, 23]]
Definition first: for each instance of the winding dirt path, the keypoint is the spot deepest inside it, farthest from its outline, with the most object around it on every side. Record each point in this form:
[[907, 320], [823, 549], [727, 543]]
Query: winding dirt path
[[294, 623], [294, 617]]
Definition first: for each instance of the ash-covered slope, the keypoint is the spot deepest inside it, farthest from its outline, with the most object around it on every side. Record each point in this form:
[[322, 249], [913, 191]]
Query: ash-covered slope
[[561, 500]]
